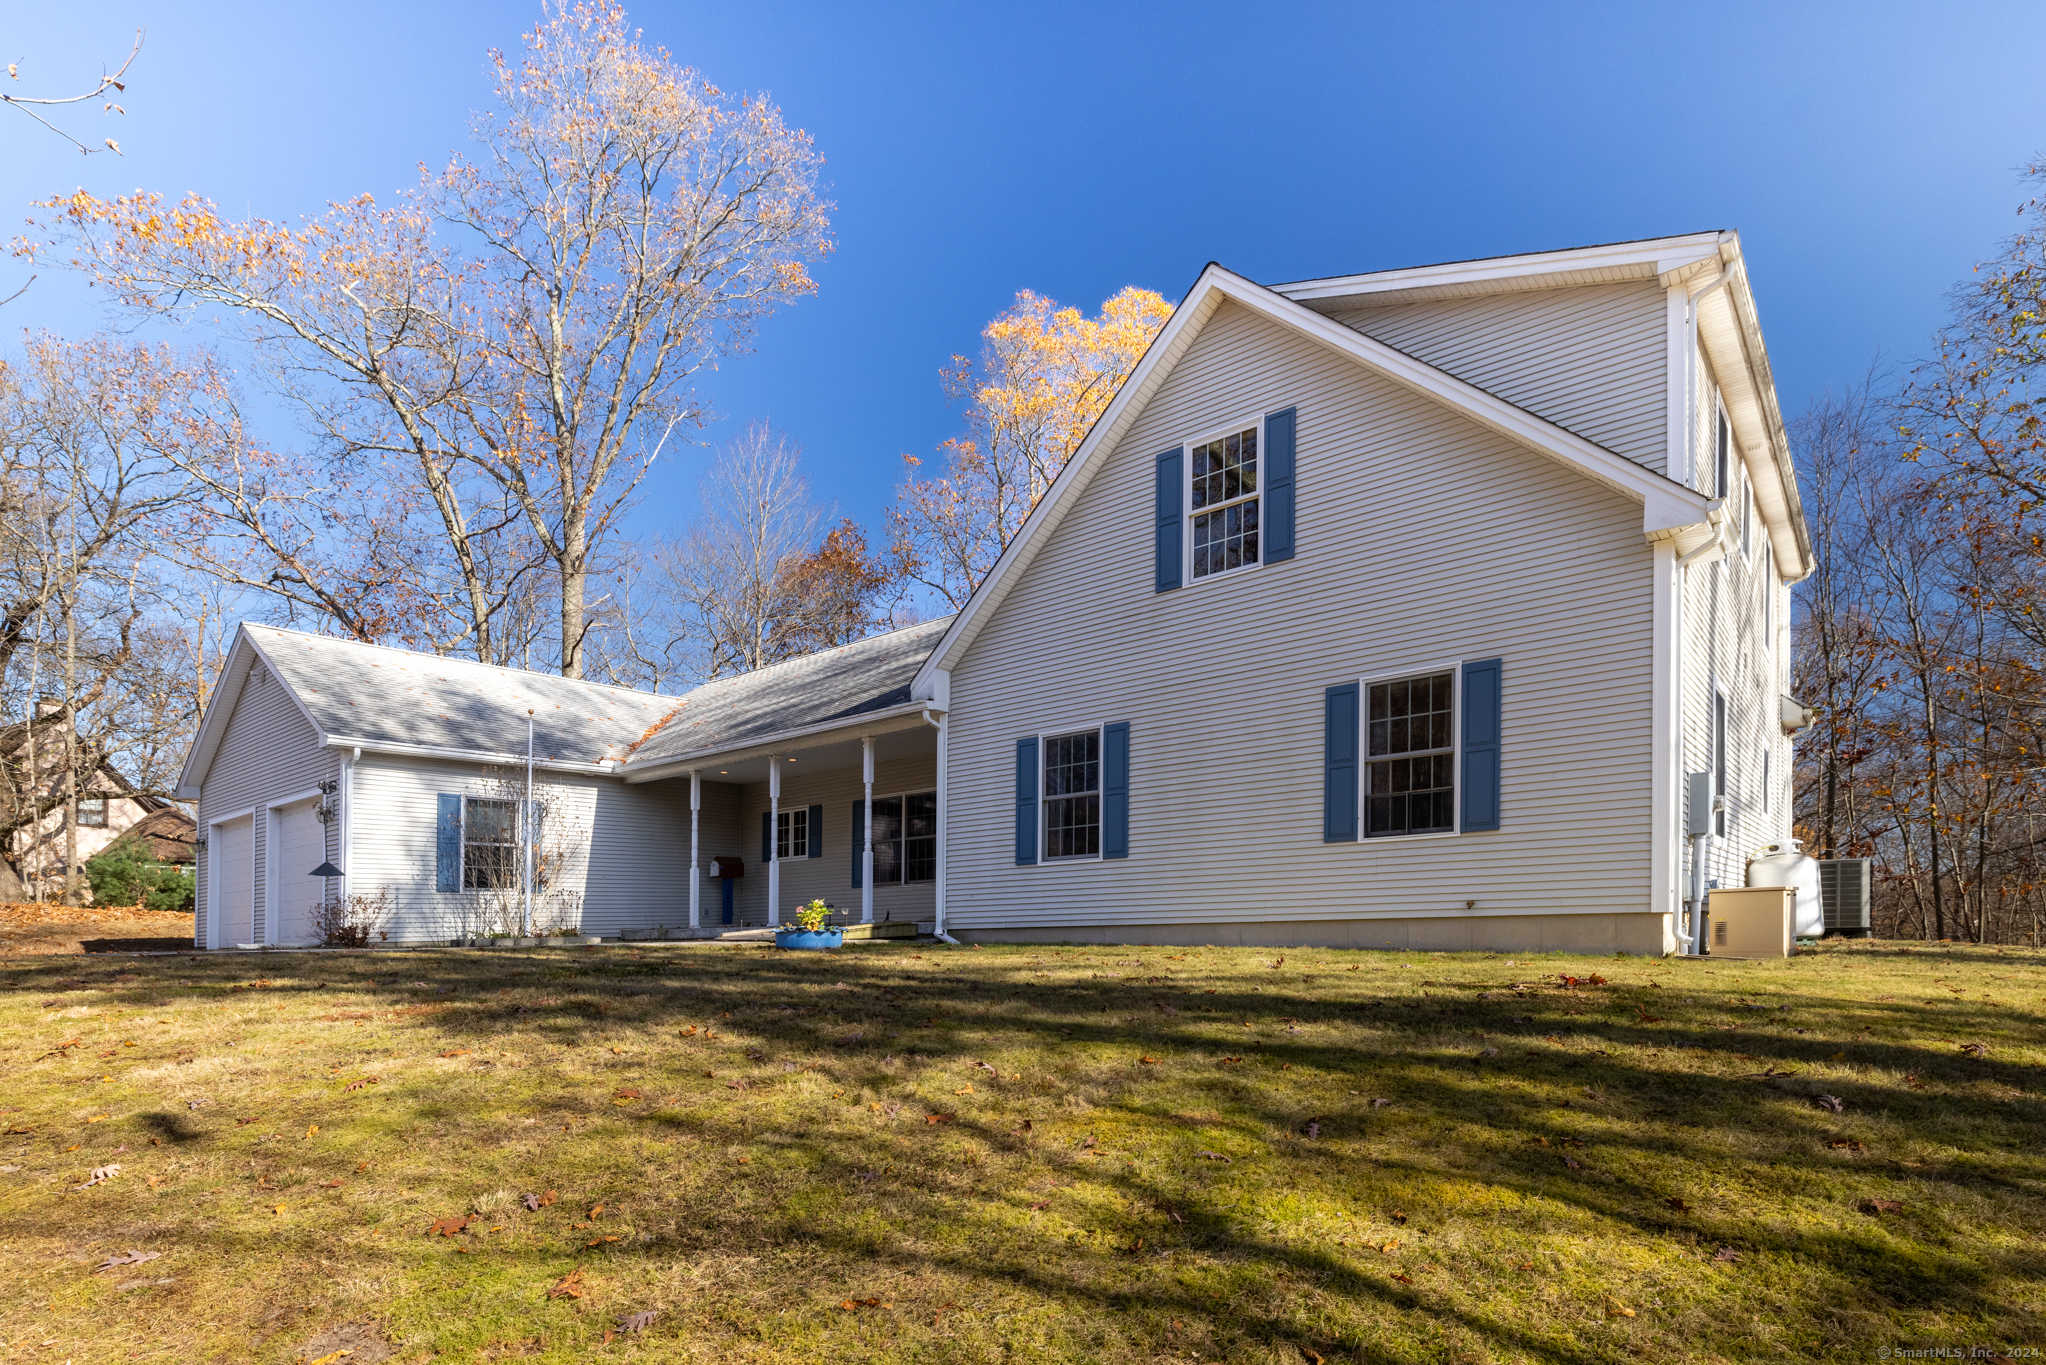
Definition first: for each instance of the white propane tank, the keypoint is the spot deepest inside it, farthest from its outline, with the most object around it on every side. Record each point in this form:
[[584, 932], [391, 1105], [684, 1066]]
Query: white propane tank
[[1781, 864]]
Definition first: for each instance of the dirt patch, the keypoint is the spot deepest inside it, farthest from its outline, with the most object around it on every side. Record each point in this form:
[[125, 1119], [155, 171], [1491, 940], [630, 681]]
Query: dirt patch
[[28, 930], [363, 1339]]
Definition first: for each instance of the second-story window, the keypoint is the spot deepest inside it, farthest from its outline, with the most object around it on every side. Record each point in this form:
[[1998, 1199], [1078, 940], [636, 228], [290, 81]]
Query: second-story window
[[1225, 531]]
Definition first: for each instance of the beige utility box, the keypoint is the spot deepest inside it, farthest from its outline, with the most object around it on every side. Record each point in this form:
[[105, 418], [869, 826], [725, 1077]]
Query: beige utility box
[[1752, 921]]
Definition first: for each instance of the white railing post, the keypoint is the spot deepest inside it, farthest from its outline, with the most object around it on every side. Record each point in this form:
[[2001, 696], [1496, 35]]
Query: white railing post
[[773, 839], [867, 846], [695, 820]]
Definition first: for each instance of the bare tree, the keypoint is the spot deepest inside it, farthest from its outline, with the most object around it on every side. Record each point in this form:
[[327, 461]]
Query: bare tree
[[30, 104]]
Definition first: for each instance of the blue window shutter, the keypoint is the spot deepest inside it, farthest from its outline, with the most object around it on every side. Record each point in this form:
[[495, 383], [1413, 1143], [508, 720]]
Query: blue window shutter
[[1171, 495], [447, 845], [1278, 496], [1026, 801], [1339, 765], [859, 840], [766, 837], [816, 831], [1115, 790], [1481, 744]]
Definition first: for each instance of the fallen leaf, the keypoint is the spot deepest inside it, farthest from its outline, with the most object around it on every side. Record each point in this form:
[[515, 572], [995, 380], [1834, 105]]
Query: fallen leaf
[[639, 1322], [1391, 1246], [278, 1211], [1211, 1156], [1877, 1207], [1525, 1265], [1148, 1061], [357, 1085], [330, 1184], [1227, 1060], [130, 1257], [1381, 1104], [1726, 1254], [570, 1286], [627, 1095], [1399, 1217], [1830, 1102], [458, 1052], [597, 1210], [1042, 1204], [1679, 1205], [448, 1227], [100, 1175], [939, 1118], [1401, 1278], [1616, 1311], [1311, 1129], [1975, 1049], [964, 1090], [1847, 1144], [313, 1131]]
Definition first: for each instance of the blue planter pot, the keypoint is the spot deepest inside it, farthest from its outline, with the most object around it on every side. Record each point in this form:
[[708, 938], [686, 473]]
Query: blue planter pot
[[808, 941]]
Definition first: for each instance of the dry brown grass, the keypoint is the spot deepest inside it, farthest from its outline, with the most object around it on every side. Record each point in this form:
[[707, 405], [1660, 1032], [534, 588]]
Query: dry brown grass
[[907, 1153], [28, 929]]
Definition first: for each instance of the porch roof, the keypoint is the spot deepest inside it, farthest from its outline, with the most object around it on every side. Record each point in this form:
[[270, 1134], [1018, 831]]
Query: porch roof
[[812, 698]]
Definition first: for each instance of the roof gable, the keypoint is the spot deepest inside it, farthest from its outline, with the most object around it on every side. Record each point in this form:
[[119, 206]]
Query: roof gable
[[1666, 504]]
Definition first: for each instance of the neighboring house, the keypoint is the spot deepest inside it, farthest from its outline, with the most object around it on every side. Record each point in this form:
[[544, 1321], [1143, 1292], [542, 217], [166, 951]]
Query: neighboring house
[[1390, 610], [108, 808]]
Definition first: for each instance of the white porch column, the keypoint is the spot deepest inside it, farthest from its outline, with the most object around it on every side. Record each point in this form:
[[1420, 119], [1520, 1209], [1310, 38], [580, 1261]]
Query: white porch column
[[944, 814], [867, 846], [773, 839], [695, 873]]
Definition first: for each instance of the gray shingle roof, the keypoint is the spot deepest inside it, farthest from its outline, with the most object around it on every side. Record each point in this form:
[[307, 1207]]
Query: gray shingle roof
[[395, 696], [818, 689]]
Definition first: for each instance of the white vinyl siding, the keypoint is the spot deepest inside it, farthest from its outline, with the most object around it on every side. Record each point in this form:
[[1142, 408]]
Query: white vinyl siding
[[1590, 359], [268, 753], [1422, 537]]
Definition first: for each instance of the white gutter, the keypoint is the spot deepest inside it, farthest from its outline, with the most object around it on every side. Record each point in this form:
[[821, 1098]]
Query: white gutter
[[606, 767]]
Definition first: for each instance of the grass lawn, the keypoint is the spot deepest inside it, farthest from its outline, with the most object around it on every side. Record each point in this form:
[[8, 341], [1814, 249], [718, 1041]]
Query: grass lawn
[[918, 1153]]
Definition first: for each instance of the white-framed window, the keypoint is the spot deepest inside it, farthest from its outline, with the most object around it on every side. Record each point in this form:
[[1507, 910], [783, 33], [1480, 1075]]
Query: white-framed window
[[1768, 595], [1223, 502], [92, 812], [1069, 804], [490, 843], [905, 838], [1747, 518], [1410, 740], [792, 833], [1722, 450]]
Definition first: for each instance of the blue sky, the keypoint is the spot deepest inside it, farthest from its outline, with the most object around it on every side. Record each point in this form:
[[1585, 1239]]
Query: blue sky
[[1865, 152]]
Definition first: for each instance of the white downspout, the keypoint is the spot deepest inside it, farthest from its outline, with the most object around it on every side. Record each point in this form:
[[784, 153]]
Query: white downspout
[[944, 812], [695, 874], [867, 844], [773, 839]]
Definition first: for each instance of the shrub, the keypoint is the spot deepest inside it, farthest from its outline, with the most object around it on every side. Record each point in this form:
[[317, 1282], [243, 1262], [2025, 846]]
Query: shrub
[[126, 872]]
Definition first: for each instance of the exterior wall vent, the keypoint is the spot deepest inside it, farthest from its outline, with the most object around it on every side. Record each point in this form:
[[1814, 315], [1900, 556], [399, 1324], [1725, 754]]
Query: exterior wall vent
[[1844, 891]]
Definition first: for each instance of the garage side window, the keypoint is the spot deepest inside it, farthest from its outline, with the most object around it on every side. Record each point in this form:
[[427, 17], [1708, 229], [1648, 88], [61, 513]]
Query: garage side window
[[490, 844]]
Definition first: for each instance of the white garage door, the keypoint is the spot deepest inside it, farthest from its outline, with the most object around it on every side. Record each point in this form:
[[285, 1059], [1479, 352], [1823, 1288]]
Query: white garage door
[[233, 910], [301, 847]]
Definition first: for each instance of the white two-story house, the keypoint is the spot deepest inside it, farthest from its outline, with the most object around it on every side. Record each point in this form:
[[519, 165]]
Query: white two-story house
[[1384, 610]]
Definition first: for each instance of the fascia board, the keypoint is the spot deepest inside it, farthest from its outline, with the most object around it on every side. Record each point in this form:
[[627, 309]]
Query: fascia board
[[1654, 256], [1731, 336], [1662, 498], [394, 750], [886, 721]]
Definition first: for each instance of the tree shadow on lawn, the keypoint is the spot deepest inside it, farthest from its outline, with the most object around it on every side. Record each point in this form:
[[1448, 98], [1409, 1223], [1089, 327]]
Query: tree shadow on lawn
[[1421, 1054]]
